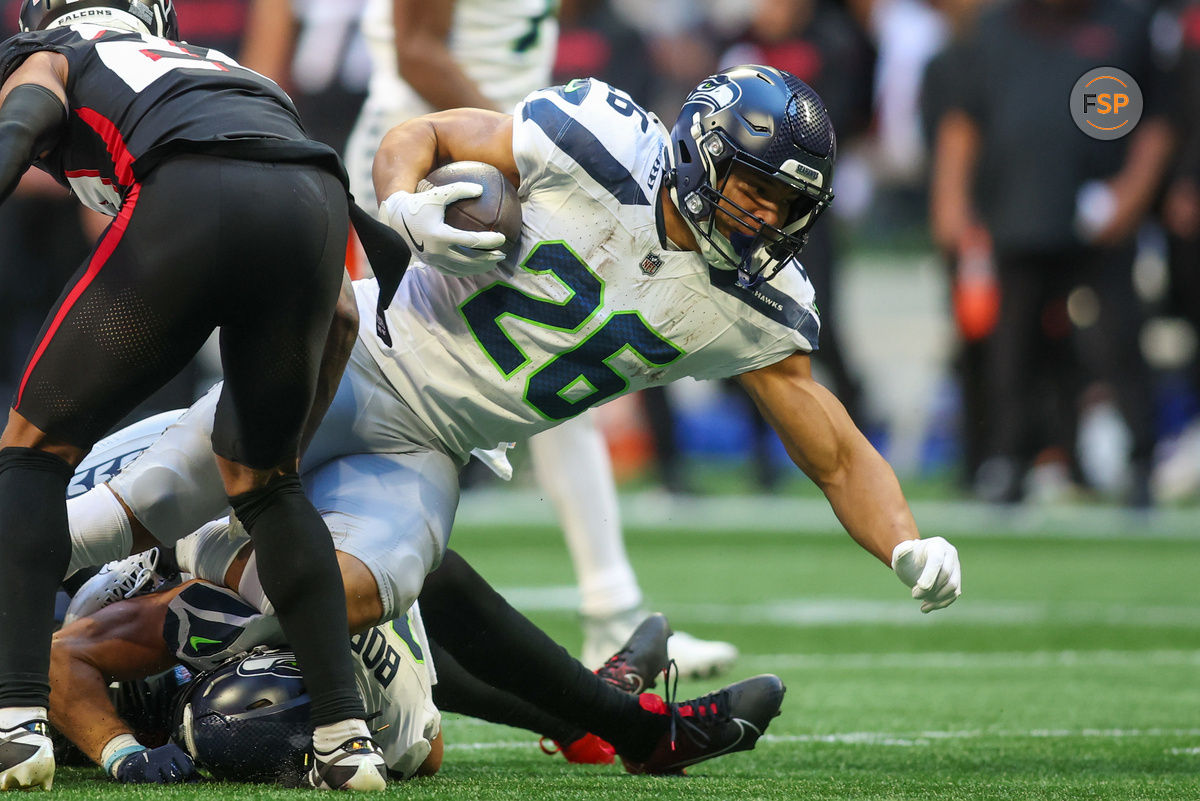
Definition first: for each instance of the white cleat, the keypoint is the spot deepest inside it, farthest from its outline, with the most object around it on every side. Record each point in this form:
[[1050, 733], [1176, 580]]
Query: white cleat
[[356, 764], [696, 658], [116, 581], [693, 657], [26, 757]]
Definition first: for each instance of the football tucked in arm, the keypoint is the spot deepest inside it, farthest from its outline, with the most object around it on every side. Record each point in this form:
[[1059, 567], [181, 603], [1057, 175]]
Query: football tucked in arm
[[497, 209]]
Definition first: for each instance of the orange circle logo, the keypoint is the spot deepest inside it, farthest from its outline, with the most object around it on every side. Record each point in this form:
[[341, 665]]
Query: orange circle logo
[[1106, 103]]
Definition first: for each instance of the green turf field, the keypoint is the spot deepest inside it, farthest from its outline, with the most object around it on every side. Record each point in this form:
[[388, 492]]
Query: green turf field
[[1068, 670]]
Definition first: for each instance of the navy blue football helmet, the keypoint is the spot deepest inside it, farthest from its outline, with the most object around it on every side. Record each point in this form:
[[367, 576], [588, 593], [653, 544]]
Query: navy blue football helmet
[[248, 719], [155, 17], [772, 123]]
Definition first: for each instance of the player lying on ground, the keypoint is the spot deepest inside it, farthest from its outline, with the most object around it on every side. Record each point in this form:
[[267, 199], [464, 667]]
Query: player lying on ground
[[202, 626], [516, 675]]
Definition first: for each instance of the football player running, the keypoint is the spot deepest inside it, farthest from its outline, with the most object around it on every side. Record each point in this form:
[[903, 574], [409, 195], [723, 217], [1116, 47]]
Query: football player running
[[645, 256], [433, 55]]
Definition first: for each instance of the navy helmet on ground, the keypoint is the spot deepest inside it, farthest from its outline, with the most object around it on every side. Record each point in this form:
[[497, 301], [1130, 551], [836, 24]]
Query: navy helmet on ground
[[248, 720], [772, 123], [155, 17]]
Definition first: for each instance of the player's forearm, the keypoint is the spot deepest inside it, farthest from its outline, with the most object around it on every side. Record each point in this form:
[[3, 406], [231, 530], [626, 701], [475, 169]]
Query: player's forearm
[[411, 150], [407, 154], [433, 73], [956, 149], [80, 707], [1136, 185], [867, 499], [823, 441], [121, 641], [422, 31], [343, 331]]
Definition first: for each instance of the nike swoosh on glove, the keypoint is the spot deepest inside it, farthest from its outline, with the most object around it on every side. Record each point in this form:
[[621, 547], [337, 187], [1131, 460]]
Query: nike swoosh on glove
[[931, 568], [166, 764], [420, 218]]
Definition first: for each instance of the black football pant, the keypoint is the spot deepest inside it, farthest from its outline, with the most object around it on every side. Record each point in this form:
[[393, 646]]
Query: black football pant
[[1034, 333], [203, 242]]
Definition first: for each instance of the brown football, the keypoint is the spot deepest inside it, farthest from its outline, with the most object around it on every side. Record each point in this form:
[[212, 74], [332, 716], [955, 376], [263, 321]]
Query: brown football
[[497, 209]]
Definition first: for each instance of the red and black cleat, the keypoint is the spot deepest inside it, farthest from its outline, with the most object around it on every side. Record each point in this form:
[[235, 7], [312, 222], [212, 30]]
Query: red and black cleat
[[633, 669], [587, 750], [729, 720]]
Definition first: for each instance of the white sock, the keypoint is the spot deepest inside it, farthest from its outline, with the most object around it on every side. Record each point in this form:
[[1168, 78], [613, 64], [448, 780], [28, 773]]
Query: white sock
[[100, 530], [13, 716], [572, 465], [330, 736]]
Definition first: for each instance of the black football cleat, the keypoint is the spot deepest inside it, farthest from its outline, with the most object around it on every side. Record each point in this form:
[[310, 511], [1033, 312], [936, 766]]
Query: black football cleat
[[729, 720], [633, 669], [26, 757], [356, 764]]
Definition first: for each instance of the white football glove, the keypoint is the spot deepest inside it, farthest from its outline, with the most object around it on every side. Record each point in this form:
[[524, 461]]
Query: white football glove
[[931, 568], [420, 217]]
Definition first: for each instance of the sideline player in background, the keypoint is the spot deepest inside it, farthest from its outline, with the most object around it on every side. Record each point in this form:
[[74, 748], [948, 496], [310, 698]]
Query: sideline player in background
[[430, 55], [226, 215]]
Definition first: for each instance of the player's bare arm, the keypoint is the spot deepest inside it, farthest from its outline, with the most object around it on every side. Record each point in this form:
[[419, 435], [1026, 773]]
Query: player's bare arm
[[424, 60], [412, 150], [118, 642], [860, 485], [343, 330], [823, 441]]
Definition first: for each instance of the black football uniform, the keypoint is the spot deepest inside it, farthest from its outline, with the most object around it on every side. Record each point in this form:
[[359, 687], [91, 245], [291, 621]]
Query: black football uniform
[[226, 214]]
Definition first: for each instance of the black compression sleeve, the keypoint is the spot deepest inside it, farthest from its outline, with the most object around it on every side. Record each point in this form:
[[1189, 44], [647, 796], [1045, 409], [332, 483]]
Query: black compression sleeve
[[31, 120]]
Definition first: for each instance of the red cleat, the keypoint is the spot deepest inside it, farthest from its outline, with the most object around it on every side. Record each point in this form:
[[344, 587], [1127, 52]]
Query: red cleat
[[587, 750]]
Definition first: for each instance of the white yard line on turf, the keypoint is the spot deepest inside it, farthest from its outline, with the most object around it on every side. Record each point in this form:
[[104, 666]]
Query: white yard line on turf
[[904, 739], [971, 660], [772, 515], [811, 612]]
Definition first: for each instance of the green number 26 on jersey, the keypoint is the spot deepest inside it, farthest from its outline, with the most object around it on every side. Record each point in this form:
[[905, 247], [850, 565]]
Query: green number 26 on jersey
[[582, 374]]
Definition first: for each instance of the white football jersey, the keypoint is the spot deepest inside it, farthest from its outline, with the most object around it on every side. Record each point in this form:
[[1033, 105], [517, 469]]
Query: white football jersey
[[506, 48], [393, 670], [593, 305]]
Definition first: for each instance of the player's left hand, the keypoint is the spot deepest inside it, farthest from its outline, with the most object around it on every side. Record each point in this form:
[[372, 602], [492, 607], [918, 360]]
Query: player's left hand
[[166, 764], [931, 568]]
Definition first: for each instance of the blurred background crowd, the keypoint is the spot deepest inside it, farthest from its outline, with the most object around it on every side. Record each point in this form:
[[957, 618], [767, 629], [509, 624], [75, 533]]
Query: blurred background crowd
[[1009, 308]]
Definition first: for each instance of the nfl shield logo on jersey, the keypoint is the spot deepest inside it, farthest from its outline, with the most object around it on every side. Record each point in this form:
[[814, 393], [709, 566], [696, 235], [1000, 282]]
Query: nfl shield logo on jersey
[[651, 263]]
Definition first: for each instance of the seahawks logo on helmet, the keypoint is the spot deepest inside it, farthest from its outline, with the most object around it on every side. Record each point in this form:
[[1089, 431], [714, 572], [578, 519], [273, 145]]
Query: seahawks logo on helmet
[[284, 666], [717, 91]]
